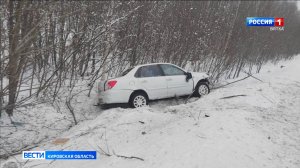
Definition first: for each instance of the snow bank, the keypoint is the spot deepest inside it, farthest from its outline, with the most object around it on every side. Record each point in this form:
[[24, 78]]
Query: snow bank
[[33, 125]]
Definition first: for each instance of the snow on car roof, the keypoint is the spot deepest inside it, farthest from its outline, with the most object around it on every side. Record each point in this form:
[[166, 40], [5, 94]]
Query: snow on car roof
[[153, 64]]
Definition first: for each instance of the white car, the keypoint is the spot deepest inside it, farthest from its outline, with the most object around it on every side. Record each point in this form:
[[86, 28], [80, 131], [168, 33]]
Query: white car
[[146, 82]]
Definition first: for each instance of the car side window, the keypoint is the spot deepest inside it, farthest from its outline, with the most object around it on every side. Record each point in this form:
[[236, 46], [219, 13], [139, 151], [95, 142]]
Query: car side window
[[148, 71], [170, 70]]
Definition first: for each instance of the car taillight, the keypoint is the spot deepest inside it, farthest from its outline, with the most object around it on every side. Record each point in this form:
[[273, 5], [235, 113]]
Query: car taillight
[[111, 84]]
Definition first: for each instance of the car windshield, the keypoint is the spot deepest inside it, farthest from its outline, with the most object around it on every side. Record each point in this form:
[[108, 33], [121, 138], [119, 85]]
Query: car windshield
[[126, 71]]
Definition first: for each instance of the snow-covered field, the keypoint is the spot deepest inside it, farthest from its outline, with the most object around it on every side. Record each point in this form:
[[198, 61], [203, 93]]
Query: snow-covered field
[[259, 129]]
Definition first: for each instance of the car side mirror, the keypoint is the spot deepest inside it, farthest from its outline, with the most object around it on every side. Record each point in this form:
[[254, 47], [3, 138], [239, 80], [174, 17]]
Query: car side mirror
[[188, 76]]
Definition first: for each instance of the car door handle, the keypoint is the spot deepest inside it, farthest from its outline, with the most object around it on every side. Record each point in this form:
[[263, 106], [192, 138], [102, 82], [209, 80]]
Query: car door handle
[[169, 79], [144, 81]]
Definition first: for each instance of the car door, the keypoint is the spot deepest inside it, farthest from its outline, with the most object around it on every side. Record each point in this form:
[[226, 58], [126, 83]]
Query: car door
[[151, 79], [176, 80]]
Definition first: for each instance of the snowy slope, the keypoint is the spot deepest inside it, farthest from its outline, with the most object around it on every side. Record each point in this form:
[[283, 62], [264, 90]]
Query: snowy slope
[[260, 129], [40, 123]]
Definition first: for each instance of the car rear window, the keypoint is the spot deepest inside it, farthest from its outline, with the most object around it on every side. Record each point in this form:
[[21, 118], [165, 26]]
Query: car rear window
[[126, 71]]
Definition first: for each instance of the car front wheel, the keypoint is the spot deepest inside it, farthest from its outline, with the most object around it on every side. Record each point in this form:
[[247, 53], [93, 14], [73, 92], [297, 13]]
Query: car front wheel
[[202, 89], [138, 100]]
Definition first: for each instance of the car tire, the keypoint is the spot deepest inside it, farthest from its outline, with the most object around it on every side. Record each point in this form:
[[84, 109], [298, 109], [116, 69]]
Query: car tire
[[201, 89], [138, 99]]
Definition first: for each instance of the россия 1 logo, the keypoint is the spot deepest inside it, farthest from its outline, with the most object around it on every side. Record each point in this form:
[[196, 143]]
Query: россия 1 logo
[[273, 23], [279, 22]]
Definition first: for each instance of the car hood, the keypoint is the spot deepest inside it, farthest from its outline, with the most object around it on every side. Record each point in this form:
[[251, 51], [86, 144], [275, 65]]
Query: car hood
[[200, 75]]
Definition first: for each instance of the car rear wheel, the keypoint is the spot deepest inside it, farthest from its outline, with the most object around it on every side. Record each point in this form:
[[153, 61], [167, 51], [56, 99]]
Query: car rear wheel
[[202, 88], [138, 100]]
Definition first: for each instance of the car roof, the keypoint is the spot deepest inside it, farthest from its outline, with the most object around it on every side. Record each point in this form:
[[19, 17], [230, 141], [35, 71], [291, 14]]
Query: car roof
[[134, 68], [153, 64]]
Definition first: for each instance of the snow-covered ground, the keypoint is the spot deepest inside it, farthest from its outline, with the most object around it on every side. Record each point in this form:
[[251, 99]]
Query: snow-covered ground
[[259, 129], [43, 122]]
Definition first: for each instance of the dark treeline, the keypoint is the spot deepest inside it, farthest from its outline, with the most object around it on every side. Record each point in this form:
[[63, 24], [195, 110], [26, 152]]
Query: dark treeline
[[47, 45]]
